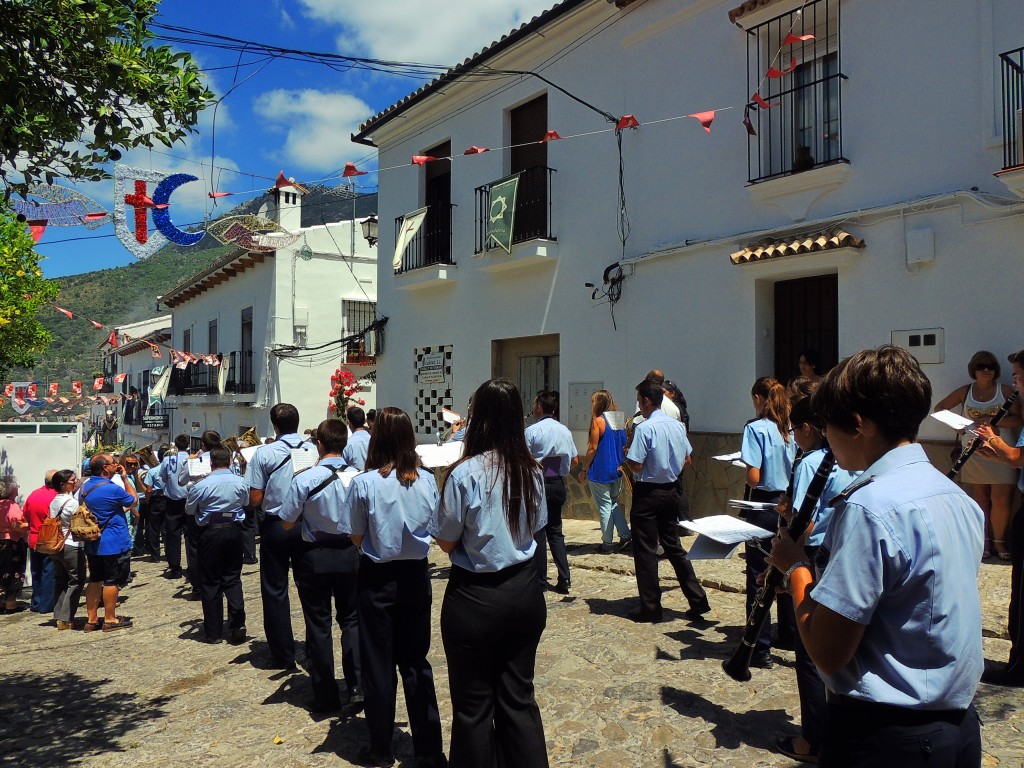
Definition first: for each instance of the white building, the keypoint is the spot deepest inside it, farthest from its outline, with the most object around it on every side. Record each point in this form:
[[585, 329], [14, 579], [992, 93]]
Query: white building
[[276, 320], [864, 211]]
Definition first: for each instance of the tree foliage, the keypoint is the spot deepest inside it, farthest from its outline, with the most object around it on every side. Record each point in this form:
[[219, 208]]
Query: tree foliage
[[23, 291], [79, 80]]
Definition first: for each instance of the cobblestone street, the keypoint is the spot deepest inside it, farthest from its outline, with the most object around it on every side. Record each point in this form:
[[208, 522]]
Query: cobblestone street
[[612, 693]]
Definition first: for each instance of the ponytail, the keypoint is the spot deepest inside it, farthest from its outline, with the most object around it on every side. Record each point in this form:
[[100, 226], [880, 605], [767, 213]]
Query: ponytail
[[776, 403]]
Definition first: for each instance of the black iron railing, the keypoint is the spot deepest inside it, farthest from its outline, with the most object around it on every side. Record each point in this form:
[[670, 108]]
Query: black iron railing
[[1012, 65], [432, 243], [533, 218], [205, 380], [357, 315]]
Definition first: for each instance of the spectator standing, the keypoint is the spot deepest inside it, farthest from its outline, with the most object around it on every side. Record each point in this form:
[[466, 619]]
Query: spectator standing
[[36, 509], [13, 544], [69, 563], [600, 467]]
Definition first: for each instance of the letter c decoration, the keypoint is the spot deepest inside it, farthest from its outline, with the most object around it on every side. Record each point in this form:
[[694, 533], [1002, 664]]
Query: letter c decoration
[[162, 216]]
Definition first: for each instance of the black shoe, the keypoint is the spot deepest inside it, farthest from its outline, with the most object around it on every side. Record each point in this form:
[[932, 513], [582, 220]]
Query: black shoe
[[697, 613], [785, 747], [640, 617], [356, 697], [172, 573], [325, 707], [193, 596], [561, 588], [238, 636], [286, 667], [625, 544], [250, 560], [762, 660], [211, 640], [432, 762], [1002, 677], [366, 757]]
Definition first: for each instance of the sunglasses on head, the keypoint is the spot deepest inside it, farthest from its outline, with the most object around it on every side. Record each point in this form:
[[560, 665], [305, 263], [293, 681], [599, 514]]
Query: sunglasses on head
[[985, 367]]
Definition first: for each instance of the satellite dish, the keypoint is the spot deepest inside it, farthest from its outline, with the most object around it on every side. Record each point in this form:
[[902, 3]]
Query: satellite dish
[[267, 211]]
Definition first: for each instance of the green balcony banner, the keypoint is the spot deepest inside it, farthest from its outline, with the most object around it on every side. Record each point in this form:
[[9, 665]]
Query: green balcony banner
[[501, 214]]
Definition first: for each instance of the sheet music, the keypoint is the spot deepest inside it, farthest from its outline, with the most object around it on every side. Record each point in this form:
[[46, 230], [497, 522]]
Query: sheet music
[[200, 466], [346, 477], [757, 506], [437, 456], [616, 419], [732, 458], [303, 459], [450, 416], [249, 451], [954, 420], [726, 529]]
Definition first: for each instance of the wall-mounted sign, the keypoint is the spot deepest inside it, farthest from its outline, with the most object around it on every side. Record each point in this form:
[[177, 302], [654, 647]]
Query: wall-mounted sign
[[431, 369], [155, 422]]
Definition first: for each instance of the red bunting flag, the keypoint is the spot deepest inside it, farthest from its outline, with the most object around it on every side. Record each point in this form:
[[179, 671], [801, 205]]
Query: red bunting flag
[[64, 400], [97, 326], [549, 136], [791, 39], [422, 159], [351, 170], [9, 390], [627, 121], [182, 365], [63, 311], [475, 150], [48, 399], [215, 195], [777, 73], [155, 351], [758, 99], [112, 341], [746, 121], [33, 390], [54, 386], [94, 216], [76, 387], [20, 404], [120, 377], [37, 228], [97, 383], [705, 118]]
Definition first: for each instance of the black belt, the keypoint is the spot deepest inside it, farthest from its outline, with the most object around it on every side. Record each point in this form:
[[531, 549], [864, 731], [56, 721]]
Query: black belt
[[660, 486], [340, 540], [554, 479], [210, 526], [891, 714]]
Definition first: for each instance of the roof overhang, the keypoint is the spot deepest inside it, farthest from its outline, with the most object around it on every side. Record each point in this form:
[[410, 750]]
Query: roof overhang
[[231, 265]]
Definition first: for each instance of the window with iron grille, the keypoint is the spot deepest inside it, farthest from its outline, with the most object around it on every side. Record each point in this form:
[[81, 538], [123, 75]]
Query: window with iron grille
[[355, 317], [802, 81]]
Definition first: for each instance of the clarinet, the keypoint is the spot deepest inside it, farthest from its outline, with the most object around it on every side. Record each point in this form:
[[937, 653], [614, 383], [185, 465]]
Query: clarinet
[[738, 666], [972, 446]]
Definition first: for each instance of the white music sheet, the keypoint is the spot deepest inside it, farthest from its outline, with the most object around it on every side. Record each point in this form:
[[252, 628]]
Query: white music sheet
[[439, 456], [722, 535], [303, 459], [199, 466], [616, 419], [732, 458], [950, 419]]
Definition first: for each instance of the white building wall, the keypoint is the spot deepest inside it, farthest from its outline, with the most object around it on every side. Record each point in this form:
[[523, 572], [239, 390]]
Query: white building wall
[[920, 114]]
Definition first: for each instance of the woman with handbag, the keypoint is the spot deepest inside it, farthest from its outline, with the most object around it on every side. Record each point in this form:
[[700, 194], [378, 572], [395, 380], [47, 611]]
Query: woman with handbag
[[70, 560], [13, 545]]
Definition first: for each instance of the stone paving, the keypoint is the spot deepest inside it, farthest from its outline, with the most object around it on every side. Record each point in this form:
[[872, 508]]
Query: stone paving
[[612, 693]]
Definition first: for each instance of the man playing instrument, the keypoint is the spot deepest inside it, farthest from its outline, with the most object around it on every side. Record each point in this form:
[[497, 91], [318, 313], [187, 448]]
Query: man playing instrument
[[898, 647]]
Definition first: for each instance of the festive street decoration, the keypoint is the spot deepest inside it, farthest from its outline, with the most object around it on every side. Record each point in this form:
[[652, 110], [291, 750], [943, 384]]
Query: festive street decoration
[[777, 73], [161, 213], [351, 170], [61, 207], [705, 119], [549, 136], [502, 212], [97, 383], [53, 388], [411, 224], [475, 150], [120, 377], [627, 121], [792, 39], [255, 233], [758, 99], [215, 195], [139, 242], [76, 387], [422, 159]]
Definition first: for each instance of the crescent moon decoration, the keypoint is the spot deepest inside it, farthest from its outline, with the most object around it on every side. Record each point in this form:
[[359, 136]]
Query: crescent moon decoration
[[61, 207], [255, 233], [162, 216]]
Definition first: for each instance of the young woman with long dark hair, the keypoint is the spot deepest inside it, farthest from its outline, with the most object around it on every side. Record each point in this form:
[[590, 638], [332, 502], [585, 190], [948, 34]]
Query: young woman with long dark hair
[[492, 503]]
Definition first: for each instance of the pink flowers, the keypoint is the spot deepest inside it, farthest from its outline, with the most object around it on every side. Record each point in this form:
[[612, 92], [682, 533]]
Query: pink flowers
[[344, 387]]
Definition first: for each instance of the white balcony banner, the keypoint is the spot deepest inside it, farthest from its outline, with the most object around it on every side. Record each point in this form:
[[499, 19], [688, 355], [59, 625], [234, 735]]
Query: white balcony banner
[[501, 216], [222, 374], [411, 224], [158, 391]]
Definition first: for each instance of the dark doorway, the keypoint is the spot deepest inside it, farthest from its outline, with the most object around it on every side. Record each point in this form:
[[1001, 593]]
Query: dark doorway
[[437, 229], [528, 124], [806, 317]]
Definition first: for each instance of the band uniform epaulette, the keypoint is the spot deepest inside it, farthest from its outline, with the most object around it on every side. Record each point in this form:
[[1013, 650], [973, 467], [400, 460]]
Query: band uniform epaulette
[[751, 421], [839, 500]]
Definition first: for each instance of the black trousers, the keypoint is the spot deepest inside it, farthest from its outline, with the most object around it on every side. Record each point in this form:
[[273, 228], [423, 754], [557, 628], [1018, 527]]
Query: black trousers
[[813, 710], [155, 523], [876, 736], [220, 573], [278, 549], [249, 534], [139, 544], [654, 519], [394, 631], [756, 564], [491, 624], [551, 534], [326, 573], [1015, 666], [174, 528], [192, 533]]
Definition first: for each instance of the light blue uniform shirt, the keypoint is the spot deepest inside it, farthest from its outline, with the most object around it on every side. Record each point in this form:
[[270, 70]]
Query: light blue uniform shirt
[[320, 512], [838, 480], [1020, 444], [155, 479], [271, 470], [661, 446], [764, 448], [902, 558], [174, 475], [392, 518], [356, 449], [218, 498], [549, 438], [472, 513]]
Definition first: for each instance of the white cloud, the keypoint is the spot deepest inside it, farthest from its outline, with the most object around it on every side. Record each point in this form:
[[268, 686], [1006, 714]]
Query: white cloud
[[411, 30], [316, 125]]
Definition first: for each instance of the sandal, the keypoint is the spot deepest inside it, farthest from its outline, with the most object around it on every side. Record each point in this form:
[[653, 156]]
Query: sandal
[[123, 623], [1001, 552]]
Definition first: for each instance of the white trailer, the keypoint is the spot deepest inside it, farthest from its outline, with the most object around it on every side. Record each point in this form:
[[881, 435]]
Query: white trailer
[[28, 449]]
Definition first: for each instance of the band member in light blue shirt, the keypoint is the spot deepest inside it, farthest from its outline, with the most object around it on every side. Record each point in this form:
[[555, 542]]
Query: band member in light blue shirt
[[358, 441], [657, 455], [217, 502], [174, 477], [492, 503], [551, 444], [269, 475], [389, 508], [892, 619], [326, 562], [157, 505]]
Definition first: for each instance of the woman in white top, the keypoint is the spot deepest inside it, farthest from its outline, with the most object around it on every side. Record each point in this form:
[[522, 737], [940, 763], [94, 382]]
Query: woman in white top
[[989, 482], [70, 561]]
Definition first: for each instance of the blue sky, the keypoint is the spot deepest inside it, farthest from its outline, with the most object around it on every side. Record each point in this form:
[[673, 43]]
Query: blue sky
[[288, 116]]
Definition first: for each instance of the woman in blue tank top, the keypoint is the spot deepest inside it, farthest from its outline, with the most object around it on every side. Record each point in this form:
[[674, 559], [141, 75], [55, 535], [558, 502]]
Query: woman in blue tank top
[[600, 467]]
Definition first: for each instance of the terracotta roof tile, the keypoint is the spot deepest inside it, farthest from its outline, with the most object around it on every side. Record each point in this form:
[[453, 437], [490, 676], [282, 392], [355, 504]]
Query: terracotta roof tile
[[748, 7], [775, 249]]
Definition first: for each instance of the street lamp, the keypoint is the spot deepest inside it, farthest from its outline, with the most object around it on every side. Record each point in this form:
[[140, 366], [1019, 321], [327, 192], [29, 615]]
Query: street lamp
[[369, 225]]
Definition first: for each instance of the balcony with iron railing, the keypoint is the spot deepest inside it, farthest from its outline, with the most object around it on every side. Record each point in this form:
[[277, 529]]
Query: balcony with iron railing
[[1011, 66], [533, 210], [432, 244], [204, 379]]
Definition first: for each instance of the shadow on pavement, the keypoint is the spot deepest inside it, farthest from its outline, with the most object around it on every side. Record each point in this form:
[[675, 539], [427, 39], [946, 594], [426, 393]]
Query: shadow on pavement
[[61, 718], [756, 728]]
